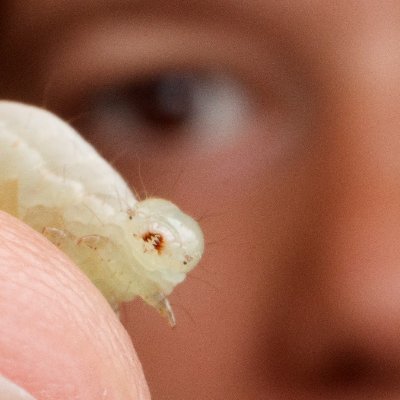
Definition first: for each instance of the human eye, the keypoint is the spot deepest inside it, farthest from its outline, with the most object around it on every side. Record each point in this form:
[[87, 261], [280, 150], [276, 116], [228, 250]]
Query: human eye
[[185, 108], [165, 94]]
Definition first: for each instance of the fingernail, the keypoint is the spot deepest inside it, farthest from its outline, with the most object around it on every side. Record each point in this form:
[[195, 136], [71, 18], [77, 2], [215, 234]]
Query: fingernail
[[11, 391]]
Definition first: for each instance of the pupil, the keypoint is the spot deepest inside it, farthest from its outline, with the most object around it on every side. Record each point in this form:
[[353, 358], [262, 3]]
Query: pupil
[[165, 102]]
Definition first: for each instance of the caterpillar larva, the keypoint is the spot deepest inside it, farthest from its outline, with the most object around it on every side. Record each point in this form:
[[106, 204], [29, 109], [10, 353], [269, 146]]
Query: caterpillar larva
[[57, 183]]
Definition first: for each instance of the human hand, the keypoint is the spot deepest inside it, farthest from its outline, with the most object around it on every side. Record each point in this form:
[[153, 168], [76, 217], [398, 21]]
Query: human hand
[[59, 339]]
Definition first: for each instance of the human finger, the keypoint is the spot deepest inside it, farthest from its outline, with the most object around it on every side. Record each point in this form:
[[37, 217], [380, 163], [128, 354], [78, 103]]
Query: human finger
[[58, 336]]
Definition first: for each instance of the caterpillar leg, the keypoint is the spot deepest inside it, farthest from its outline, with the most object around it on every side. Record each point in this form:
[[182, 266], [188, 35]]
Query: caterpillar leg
[[93, 242], [57, 236], [165, 309], [163, 306]]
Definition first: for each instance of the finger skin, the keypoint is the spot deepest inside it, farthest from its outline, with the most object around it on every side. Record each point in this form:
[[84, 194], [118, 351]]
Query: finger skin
[[59, 339]]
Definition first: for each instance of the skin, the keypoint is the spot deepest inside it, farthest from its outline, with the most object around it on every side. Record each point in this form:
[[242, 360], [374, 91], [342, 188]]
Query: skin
[[59, 337], [297, 296]]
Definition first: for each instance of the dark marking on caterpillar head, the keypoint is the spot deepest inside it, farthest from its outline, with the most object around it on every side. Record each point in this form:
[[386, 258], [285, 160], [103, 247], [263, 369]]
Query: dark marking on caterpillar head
[[155, 239]]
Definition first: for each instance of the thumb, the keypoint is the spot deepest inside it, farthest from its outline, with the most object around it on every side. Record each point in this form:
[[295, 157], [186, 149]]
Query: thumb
[[59, 339]]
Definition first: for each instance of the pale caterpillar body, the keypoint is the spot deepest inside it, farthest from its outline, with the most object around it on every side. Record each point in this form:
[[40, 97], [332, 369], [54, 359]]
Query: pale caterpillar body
[[56, 182]]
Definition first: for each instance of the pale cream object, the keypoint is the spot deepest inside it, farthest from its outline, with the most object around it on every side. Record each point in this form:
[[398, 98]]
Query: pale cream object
[[57, 183]]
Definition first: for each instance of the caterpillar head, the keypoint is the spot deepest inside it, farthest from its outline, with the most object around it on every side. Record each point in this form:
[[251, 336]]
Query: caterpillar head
[[168, 244]]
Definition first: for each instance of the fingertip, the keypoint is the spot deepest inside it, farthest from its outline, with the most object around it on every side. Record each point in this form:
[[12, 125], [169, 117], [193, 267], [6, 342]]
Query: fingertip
[[58, 336]]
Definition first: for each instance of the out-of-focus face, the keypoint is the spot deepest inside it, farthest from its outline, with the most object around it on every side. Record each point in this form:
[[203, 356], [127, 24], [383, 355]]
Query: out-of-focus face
[[276, 123]]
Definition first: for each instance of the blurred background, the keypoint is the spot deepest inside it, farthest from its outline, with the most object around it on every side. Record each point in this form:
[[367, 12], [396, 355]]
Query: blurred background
[[260, 119]]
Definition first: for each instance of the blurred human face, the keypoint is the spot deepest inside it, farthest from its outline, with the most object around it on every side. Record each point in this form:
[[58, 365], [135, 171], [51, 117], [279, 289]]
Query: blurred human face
[[274, 123]]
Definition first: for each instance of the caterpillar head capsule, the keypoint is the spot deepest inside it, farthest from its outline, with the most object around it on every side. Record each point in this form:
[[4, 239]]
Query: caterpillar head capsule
[[168, 244]]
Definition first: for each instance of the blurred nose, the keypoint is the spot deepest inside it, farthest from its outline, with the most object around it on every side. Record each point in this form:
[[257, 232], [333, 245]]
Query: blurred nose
[[339, 316]]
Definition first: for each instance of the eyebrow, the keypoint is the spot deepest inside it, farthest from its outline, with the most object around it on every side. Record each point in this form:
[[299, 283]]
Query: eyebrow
[[34, 16]]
